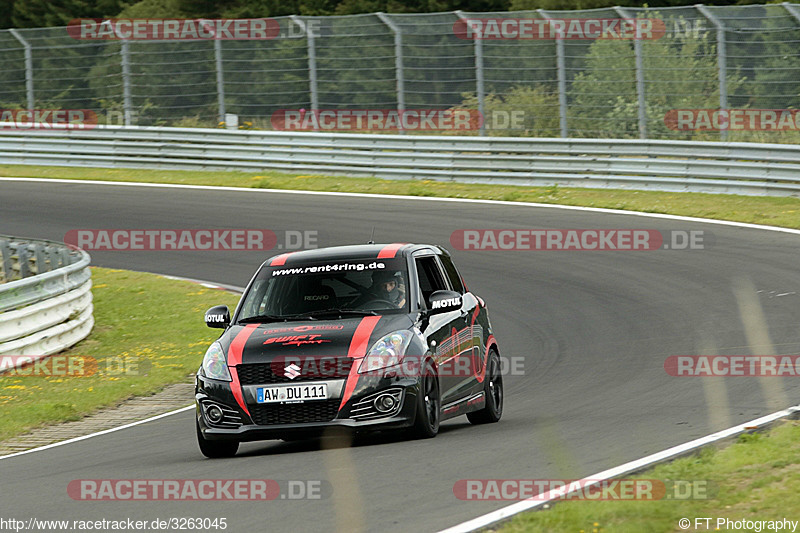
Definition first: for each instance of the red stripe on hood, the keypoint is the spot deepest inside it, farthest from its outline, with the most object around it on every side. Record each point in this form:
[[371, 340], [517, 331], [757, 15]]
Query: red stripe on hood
[[390, 250], [235, 358], [358, 348], [280, 260]]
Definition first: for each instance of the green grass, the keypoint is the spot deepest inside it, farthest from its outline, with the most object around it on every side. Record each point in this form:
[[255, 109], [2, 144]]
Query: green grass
[[754, 479], [753, 209], [148, 325]]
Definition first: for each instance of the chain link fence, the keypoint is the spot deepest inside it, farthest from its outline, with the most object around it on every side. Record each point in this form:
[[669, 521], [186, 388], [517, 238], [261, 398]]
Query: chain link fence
[[732, 57]]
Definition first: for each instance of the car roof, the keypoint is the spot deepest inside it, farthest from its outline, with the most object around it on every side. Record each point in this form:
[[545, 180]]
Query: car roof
[[353, 251]]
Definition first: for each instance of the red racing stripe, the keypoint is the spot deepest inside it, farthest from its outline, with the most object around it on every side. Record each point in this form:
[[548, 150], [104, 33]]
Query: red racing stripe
[[280, 260], [489, 343], [236, 388], [390, 250], [475, 315], [358, 348], [235, 358]]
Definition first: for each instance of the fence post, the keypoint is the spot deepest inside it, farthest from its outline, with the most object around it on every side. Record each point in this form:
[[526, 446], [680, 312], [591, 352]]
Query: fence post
[[398, 62], [127, 104], [722, 59], [561, 73], [28, 67], [312, 62], [793, 11], [220, 78], [640, 94], [478, 71]]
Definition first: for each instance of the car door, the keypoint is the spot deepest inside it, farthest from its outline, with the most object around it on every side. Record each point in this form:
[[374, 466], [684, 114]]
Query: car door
[[471, 356], [444, 331]]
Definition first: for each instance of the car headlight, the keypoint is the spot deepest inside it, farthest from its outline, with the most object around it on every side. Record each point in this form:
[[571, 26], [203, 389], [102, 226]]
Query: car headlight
[[215, 366], [388, 351]]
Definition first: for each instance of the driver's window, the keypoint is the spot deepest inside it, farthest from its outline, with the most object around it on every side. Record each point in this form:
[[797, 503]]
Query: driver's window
[[430, 277]]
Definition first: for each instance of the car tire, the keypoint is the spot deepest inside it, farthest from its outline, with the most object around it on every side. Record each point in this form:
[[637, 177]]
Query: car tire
[[216, 449], [493, 391], [429, 405]]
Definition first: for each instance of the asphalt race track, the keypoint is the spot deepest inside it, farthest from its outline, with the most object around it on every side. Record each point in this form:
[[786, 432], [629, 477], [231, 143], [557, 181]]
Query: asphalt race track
[[594, 329]]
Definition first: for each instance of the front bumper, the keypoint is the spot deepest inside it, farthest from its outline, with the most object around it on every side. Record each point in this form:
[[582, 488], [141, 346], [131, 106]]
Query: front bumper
[[276, 421]]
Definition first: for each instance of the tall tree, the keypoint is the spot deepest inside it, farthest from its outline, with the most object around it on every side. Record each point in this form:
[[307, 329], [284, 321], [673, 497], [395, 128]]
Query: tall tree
[[40, 13]]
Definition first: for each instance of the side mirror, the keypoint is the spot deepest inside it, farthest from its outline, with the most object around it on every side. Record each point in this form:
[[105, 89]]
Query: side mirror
[[444, 301], [218, 317]]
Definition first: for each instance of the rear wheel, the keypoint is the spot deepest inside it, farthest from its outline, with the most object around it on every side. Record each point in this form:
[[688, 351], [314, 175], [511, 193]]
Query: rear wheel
[[429, 405], [493, 390], [216, 449]]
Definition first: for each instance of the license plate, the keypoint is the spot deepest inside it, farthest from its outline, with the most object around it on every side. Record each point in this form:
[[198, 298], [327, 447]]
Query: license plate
[[292, 393]]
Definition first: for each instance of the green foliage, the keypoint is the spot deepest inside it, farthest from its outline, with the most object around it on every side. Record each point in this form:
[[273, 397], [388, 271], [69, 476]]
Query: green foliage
[[176, 82], [680, 73], [40, 13], [536, 106]]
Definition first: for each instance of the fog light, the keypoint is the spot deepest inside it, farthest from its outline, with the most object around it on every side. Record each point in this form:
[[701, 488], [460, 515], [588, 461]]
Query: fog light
[[385, 403], [214, 414]]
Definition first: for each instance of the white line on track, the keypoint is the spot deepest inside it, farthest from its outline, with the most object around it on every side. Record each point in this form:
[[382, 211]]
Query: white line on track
[[506, 512], [415, 198], [104, 432], [633, 466]]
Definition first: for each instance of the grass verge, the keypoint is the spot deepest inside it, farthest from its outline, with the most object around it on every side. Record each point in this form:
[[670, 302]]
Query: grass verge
[[149, 333], [754, 479], [752, 209]]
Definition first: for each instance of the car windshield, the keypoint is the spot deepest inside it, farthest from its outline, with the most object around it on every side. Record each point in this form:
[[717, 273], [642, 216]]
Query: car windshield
[[326, 289]]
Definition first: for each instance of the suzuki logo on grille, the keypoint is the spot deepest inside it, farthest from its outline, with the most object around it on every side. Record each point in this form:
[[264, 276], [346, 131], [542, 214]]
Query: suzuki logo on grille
[[291, 371]]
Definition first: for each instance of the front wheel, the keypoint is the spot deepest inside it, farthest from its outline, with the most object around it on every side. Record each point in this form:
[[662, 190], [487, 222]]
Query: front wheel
[[429, 405], [493, 390], [216, 449]]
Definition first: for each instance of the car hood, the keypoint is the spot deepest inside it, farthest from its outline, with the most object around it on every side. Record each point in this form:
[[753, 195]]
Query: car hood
[[350, 337]]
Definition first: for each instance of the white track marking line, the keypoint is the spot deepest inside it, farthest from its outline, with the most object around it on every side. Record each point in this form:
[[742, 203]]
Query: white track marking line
[[415, 198], [553, 495], [104, 432]]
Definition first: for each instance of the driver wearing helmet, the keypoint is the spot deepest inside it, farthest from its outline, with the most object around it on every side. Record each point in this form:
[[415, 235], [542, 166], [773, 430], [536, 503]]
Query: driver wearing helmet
[[389, 286]]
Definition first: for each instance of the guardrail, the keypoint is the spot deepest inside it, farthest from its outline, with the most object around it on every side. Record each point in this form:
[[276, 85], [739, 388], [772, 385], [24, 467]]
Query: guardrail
[[45, 297], [738, 168]]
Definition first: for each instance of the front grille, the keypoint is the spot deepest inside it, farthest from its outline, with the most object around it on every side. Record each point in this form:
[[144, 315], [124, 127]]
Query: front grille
[[295, 413], [318, 370]]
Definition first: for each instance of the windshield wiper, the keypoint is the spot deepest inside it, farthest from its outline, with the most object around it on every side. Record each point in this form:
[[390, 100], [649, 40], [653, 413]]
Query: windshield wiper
[[274, 318]]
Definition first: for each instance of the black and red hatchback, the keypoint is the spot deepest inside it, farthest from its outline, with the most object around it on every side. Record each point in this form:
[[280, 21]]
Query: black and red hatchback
[[360, 337]]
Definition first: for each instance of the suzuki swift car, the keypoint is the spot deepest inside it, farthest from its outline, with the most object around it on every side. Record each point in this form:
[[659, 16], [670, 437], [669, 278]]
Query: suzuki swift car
[[364, 337]]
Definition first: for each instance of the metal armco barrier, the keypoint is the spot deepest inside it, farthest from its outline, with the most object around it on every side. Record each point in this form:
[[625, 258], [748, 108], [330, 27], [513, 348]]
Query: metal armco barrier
[[45, 297], [716, 167]]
